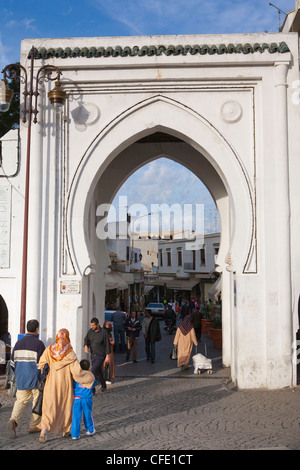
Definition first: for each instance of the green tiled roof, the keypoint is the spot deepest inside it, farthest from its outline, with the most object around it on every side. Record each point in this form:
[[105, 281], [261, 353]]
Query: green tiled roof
[[128, 51]]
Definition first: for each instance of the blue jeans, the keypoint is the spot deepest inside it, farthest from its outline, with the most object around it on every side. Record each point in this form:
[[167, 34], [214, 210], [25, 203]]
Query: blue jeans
[[119, 336]]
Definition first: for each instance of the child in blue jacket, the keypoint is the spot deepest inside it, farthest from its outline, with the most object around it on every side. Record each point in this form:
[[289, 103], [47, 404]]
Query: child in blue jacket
[[83, 404]]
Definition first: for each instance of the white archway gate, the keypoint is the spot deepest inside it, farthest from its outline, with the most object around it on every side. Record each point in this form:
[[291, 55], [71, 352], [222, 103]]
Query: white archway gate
[[225, 102]]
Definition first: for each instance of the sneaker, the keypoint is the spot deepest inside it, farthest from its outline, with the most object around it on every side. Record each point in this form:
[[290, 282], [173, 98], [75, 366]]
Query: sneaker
[[75, 438], [88, 433], [11, 429]]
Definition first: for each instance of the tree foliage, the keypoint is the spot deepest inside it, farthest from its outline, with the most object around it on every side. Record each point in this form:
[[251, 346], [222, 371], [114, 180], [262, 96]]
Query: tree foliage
[[10, 119]]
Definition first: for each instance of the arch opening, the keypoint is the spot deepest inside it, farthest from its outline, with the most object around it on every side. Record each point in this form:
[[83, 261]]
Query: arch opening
[[157, 149], [133, 142]]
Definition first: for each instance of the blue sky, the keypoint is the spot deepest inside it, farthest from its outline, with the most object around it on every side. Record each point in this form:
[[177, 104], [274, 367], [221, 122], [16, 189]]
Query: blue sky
[[22, 19]]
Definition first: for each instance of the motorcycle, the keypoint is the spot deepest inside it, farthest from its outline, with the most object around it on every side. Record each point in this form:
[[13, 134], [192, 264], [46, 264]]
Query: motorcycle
[[171, 326]]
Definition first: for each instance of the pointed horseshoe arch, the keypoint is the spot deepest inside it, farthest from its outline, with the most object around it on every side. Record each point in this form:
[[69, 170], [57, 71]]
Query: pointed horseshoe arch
[[204, 151]]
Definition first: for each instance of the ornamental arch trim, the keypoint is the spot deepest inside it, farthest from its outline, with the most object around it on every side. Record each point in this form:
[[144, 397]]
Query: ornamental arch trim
[[145, 118]]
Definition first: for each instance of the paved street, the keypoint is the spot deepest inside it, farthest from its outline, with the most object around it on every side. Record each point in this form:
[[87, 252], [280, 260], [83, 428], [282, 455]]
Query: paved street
[[159, 407]]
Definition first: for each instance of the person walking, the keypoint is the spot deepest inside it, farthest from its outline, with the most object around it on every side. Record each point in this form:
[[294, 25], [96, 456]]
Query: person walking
[[118, 320], [97, 341], [132, 328], [151, 331], [58, 391], [111, 363], [184, 339], [25, 356], [83, 405], [184, 309]]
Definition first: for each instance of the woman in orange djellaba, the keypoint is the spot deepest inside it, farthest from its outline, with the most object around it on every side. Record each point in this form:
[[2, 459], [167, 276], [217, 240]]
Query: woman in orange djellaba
[[184, 339], [58, 391]]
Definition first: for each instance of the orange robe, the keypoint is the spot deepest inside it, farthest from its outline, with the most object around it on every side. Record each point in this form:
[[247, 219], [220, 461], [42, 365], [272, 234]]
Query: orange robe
[[184, 345], [58, 392]]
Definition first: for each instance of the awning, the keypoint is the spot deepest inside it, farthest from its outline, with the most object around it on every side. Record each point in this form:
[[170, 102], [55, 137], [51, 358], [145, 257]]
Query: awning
[[114, 280], [177, 284], [215, 290], [147, 289], [182, 284], [132, 278]]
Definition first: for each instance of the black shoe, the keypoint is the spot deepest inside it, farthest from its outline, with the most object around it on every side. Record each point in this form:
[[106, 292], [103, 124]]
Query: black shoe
[[135, 361]]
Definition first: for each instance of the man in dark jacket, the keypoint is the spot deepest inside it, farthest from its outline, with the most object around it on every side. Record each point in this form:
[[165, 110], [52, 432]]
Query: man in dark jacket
[[132, 328], [97, 341], [152, 334], [184, 309], [25, 356]]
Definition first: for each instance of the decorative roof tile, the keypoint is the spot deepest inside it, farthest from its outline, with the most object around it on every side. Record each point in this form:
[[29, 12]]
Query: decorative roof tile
[[127, 51]]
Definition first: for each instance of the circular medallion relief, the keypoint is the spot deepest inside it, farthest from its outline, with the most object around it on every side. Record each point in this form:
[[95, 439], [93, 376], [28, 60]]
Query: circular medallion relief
[[87, 114], [231, 111]]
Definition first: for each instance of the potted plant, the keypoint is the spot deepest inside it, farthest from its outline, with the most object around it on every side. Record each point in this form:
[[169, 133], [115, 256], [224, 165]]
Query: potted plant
[[206, 318], [216, 330]]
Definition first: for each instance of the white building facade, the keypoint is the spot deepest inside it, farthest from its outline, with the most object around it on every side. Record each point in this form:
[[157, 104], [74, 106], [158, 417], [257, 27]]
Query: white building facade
[[188, 265], [221, 105]]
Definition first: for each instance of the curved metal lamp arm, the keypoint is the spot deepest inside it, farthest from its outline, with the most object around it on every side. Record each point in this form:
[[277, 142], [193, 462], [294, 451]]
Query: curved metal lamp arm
[[43, 74], [13, 75], [46, 70]]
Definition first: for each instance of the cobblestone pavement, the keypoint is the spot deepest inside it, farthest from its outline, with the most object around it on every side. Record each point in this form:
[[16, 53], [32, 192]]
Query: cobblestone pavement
[[159, 407]]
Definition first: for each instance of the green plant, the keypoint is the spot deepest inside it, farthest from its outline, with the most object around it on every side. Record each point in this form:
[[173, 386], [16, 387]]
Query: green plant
[[216, 321], [207, 310]]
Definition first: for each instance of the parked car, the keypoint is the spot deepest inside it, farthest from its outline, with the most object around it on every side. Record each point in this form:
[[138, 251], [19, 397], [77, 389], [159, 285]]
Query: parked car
[[108, 314], [157, 309]]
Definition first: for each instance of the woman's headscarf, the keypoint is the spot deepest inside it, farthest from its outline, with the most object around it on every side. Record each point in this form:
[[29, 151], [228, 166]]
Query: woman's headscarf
[[62, 345], [186, 325]]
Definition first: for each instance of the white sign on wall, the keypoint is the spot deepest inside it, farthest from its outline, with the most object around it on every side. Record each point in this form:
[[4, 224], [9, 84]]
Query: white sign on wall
[[70, 287]]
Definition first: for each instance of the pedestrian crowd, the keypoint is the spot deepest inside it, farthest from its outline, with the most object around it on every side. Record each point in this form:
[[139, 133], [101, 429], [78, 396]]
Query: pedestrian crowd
[[62, 388]]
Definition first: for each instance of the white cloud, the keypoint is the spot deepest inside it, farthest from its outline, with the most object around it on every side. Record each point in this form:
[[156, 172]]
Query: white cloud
[[161, 182], [191, 16], [26, 23]]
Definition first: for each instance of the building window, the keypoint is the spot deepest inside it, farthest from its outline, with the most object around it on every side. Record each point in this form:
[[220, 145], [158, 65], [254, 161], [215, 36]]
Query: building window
[[202, 257], [194, 259], [179, 258], [127, 253], [169, 258], [160, 258]]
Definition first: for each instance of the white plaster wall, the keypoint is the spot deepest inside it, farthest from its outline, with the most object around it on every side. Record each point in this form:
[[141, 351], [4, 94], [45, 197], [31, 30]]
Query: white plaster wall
[[182, 95], [12, 180]]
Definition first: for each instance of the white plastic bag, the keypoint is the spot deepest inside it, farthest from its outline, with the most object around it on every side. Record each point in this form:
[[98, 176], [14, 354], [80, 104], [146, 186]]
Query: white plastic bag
[[201, 362]]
